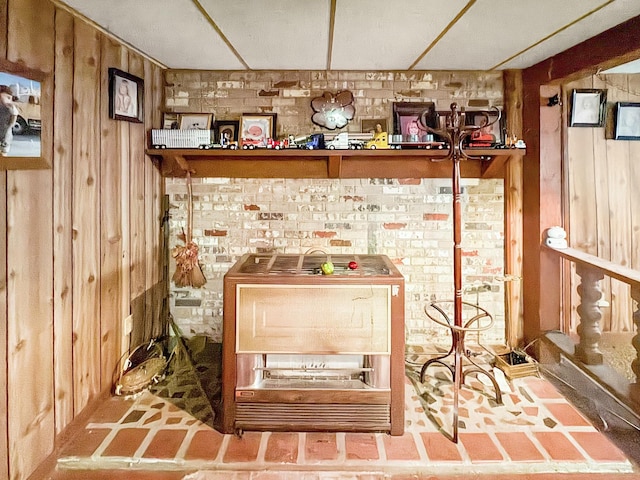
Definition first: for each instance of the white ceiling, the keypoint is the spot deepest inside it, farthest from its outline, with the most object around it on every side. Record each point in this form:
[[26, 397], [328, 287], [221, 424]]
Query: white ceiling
[[353, 34]]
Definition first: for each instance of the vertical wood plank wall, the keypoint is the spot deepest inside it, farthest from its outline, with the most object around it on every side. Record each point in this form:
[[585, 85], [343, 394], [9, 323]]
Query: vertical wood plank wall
[[603, 181], [76, 246]]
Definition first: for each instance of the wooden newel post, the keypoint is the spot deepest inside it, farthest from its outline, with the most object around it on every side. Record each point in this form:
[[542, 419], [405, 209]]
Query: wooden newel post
[[590, 315]]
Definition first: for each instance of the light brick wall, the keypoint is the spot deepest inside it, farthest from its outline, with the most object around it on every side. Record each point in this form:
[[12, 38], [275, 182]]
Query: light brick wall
[[289, 93], [407, 219]]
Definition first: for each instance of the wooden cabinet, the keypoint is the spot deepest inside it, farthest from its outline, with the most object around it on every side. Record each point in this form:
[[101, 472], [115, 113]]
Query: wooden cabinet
[[294, 163], [303, 351]]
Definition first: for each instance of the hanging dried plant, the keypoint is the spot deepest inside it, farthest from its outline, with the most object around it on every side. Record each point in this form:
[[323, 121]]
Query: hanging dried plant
[[188, 272]]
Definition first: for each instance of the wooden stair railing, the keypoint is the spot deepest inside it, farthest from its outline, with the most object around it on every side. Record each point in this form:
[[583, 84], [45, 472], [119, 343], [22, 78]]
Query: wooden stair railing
[[592, 270]]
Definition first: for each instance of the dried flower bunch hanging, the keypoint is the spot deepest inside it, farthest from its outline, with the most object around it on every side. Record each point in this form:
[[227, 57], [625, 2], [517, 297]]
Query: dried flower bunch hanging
[[188, 272]]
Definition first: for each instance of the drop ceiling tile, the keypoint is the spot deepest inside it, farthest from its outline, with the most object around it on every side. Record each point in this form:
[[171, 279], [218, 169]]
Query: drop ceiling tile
[[173, 32], [288, 34], [383, 35], [368, 34], [494, 30]]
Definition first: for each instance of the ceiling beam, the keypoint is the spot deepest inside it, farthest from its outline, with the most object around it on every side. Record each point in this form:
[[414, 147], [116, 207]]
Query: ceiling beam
[[619, 44]]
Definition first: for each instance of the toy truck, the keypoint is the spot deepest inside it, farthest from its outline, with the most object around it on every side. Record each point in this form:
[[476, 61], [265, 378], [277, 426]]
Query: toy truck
[[342, 141], [414, 141], [379, 140], [277, 144], [315, 141]]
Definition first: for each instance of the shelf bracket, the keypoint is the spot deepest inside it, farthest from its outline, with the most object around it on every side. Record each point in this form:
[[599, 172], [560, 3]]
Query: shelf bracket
[[335, 166]]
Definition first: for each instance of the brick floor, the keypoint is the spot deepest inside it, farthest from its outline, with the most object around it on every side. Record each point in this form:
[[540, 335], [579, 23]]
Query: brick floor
[[534, 432]]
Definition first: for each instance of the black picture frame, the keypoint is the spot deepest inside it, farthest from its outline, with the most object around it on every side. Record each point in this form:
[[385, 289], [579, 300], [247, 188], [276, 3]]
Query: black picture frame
[[226, 126], [588, 107], [627, 121], [126, 96], [406, 115], [496, 127]]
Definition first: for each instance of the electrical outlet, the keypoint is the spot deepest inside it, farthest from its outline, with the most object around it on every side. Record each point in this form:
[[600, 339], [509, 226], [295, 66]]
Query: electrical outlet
[[127, 325]]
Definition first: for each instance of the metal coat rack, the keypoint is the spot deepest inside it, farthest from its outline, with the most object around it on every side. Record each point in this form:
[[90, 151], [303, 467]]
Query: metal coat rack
[[455, 134]]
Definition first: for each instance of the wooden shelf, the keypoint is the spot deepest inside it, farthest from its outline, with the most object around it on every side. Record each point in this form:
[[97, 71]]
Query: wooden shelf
[[293, 163]]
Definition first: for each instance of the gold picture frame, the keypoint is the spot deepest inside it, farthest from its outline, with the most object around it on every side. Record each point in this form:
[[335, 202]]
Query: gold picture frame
[[256, 128]]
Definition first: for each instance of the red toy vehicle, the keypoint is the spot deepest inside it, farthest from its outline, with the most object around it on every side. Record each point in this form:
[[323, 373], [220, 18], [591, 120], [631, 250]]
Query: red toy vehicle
[[277, 144]]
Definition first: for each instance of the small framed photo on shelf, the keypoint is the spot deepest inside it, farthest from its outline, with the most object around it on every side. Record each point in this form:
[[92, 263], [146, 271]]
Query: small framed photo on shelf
[[256, 128], [491, 123], [170, 121], [373, 125], [126, 96], [627, 125], [226, 130], [588, 108], [195, 121], [406, 118]]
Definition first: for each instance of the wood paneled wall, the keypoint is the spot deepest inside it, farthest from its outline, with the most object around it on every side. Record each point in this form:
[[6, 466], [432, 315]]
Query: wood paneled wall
[[603, 178], [79, 241]]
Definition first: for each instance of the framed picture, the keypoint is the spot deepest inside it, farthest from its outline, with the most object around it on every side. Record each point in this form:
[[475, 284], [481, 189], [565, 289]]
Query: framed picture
[[256, 128], [195, 121], [627, 121], [588, 108], [170, 121], [486, 136], [227, 130], [373, 125], [126, 96], [405, 118]]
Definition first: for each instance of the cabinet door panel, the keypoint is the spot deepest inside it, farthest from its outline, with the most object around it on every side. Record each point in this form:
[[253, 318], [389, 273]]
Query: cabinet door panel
[[313, 319]]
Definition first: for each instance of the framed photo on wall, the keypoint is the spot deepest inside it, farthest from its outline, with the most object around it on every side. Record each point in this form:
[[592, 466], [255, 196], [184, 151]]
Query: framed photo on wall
[[627, 126], [195, 121], [126, 96], [588, 108]]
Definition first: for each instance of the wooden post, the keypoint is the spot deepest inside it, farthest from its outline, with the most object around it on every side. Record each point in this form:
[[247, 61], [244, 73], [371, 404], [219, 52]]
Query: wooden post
[[589, 312], [513, 212]]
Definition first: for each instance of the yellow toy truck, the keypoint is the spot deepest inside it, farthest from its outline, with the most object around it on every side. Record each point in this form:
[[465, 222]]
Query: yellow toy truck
[[379, 140]]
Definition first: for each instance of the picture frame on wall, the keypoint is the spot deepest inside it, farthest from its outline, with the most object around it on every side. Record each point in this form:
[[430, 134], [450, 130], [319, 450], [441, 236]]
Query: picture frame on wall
[[195, 121], [370, 125], [588, 107], [227, 130], [126, 96], [627, 121], [256, 128]]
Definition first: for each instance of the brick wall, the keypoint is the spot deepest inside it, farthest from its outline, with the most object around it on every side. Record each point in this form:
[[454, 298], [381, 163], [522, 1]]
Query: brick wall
[[407, 219]]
